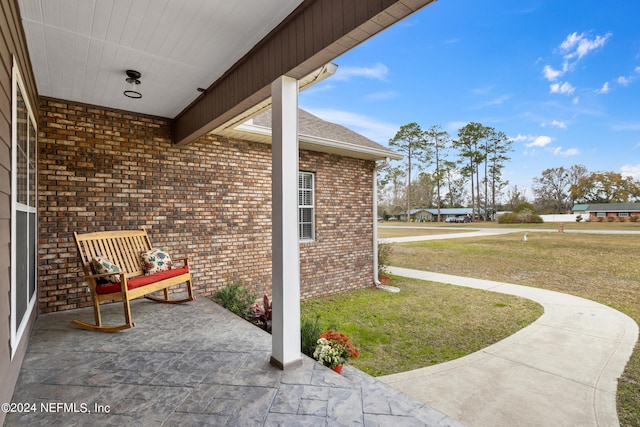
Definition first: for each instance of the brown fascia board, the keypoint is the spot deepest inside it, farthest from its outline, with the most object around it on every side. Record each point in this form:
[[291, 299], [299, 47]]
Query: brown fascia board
[[314, 34]]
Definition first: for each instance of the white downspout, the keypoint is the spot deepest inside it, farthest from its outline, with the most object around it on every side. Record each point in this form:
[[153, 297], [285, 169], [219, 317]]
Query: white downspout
[[376, 280]]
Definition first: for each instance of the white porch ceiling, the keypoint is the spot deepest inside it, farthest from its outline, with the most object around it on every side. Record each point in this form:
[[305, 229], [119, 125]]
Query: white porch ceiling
[[80, 49]]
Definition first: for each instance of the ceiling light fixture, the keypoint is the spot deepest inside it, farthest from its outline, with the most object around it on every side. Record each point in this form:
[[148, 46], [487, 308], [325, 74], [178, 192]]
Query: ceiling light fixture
[[133, 79]]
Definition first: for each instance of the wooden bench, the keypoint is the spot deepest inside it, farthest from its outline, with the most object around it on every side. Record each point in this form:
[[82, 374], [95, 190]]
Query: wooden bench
[[123, 248]]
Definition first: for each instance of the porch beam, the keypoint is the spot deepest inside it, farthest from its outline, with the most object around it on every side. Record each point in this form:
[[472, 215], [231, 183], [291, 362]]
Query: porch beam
[[285, 324], [317, 32]]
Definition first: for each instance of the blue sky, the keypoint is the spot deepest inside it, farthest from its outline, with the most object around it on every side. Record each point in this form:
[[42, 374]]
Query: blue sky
[[561, 78]]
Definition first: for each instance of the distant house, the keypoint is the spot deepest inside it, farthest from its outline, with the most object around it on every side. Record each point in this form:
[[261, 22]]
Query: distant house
[[419, 215], [608, 211], [431, 214]]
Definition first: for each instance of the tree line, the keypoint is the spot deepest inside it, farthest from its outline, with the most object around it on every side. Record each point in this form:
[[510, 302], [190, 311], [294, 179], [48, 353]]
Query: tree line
[[558, 189], [439, 171], [445, 166]]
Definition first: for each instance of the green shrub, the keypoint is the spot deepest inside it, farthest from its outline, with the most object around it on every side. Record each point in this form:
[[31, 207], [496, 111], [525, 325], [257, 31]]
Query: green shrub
[[310, 331], [579, 218], [522, 217], [236, 298], [525, 206], [508, 218]]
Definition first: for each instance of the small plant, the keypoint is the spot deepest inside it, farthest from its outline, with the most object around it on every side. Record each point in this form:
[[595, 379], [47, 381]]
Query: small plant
[[236, 298], [262, 315], [309, 333], [579, 218], [385, 251], [334, 349]]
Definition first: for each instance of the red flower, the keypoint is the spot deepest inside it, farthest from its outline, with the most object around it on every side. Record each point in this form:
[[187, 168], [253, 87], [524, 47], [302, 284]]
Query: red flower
[[342, 340]]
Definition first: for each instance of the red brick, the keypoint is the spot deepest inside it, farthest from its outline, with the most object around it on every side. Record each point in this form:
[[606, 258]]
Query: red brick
[[210, 201]]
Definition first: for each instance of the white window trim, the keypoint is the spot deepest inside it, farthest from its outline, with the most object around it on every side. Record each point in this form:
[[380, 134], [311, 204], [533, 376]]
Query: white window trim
[[623, 214], [312, 207], [17, 331]]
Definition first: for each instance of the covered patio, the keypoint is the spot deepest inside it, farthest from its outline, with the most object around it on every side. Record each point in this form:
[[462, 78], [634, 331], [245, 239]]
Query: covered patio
[[171, 370], [119, 111]]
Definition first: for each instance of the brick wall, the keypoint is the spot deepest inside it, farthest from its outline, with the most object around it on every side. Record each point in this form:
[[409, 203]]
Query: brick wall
[[341, 257], [614, 216], [211, 201]]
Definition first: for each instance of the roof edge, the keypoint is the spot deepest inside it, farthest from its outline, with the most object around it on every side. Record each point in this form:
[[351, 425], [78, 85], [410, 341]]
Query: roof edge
[[328, 145]]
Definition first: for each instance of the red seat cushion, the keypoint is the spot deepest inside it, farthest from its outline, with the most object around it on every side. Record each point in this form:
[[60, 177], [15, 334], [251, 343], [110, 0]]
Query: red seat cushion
[[136, 282]]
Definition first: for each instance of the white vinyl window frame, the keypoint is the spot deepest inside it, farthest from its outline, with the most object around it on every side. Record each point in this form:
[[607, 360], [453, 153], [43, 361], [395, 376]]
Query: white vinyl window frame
[[24, 131], [624, 214], [306, 207]]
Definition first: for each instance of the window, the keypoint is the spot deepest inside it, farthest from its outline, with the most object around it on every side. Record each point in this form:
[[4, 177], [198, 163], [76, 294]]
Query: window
[[23, 210], [623, 213], [601, 214], [306, 209]]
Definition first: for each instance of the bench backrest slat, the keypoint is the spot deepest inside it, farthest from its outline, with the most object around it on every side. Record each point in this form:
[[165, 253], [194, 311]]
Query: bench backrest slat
[[120, 247]]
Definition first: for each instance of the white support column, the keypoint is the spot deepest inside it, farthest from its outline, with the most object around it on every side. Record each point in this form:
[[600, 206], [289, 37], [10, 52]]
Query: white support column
[[285, 326]]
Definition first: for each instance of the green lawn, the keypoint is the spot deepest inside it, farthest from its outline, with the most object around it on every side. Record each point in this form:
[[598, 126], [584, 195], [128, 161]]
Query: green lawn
[[424, 324], [603, 268]]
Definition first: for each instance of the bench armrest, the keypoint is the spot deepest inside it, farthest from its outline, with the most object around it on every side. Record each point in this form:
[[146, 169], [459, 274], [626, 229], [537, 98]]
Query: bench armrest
[[98, 276]]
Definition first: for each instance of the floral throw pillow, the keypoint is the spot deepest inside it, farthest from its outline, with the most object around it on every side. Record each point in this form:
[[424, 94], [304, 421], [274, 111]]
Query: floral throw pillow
[[102, 265], [155, 260]]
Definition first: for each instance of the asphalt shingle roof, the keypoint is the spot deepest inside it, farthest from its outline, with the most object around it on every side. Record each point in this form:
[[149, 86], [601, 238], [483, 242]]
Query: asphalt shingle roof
[[314, 126]]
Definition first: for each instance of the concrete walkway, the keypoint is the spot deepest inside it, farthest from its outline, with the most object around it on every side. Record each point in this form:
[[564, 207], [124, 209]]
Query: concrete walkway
[[561, 370], [482, 232], [479, 232]]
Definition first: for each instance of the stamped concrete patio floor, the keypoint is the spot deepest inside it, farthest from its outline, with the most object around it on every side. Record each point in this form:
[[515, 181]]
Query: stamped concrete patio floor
[[191, 364]]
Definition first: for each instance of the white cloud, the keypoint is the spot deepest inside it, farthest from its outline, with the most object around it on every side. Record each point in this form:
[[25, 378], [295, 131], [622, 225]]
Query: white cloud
[[631, 170], [555, 123], [604, 89], [539, 141], [557, 151], [551, 74], [520, 138], [543, 141], [624, 81], [578, 45], [563, 88], [575, 101], [573, 48], [373, 128], [377, 72]]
